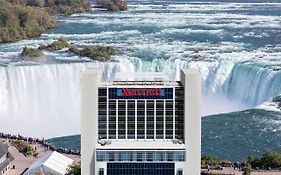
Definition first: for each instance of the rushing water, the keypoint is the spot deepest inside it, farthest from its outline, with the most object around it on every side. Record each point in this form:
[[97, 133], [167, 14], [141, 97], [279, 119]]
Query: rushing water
[[236, 46]]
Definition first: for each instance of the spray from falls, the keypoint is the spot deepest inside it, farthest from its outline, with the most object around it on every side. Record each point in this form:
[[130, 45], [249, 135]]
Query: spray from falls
[[43, 101]]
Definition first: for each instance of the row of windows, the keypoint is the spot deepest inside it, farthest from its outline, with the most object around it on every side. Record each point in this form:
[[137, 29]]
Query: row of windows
[[179, 91], [116, 93], [135, 119], [143, 156], [140, 168]]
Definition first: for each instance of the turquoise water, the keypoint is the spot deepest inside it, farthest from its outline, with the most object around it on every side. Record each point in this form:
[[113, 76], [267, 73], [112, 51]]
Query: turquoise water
[[231, 136], [236, 45]]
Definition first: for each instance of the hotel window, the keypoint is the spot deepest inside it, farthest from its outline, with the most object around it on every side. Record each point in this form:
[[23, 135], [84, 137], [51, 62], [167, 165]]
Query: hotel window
[[101, 156], [102, 113], [149, 156], [179, 113], [169, 119], [140, 168], [101, 171], [112, 119], [131, 119], [121, 119], [150, 119], [159, 119], [141, 155], [140, 119], [179, 156], [102, 91], [132, 156], [111, 156], [170, 156], [179, 172]]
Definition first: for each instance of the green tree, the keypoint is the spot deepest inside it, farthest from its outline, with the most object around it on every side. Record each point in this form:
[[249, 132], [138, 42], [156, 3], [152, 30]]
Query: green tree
[[271, 159], [247, 169], [210, 160], [75, 170], [30, 53]]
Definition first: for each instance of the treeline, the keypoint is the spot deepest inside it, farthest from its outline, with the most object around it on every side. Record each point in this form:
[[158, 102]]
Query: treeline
[[269, 160], [22, 19], [55, 6], [113, 5]]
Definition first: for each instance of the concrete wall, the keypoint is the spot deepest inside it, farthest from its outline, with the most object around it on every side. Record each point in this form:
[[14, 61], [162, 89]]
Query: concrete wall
[[191, 81], [89, 119]]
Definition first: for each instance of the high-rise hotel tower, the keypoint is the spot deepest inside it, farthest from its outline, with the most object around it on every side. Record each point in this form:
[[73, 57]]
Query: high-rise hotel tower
[[141, 127]]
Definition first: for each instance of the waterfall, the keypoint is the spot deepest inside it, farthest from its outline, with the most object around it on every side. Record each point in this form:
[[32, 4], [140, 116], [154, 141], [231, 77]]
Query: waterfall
[[246, 83], [43, 100]]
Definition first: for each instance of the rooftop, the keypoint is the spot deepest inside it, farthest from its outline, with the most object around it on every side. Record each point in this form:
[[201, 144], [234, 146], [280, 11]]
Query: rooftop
[[3, 149], [51, 163], [126, 145], [142, 83]]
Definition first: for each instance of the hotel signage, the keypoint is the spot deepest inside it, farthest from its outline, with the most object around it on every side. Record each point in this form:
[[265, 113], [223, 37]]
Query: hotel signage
[[140, 93]]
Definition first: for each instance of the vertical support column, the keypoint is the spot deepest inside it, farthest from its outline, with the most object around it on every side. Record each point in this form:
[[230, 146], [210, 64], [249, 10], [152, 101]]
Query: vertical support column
[[155, 121], [107, 113], [164, 120], [191, 81], [89, 119], [117, 127], [145, 119], [126, 120], [136, 120], [174, 113]]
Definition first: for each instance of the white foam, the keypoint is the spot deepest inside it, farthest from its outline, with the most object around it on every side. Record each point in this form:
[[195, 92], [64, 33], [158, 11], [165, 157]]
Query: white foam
[[93, 35], [269, 106]]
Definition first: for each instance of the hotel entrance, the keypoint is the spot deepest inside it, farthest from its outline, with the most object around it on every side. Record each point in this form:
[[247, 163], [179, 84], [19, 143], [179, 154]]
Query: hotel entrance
[[140, 168]]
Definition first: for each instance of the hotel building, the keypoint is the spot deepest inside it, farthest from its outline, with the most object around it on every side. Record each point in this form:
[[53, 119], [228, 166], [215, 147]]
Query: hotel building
[[141, 127]]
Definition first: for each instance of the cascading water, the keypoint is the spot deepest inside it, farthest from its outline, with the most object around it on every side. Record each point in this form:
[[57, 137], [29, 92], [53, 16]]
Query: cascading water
[[45, 98], [236, 47]]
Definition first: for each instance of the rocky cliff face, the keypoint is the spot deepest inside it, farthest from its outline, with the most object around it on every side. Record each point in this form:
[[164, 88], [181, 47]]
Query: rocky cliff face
[[113, 5]]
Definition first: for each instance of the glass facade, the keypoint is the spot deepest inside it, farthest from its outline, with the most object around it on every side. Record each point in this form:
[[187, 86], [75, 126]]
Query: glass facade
[[121, 115], [140, 168], [102, 113], [150, 124], [179, 113], [179, 172], [140, 155], [141, 118], [131, 107], [112, 119], [101, 171]]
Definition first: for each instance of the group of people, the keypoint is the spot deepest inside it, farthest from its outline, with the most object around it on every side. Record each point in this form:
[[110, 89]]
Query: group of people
[[235, 165], [42, 142]]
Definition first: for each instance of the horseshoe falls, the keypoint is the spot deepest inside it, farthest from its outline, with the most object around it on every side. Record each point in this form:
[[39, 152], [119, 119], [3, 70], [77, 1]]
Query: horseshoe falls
[[235, 45], [49, 93]]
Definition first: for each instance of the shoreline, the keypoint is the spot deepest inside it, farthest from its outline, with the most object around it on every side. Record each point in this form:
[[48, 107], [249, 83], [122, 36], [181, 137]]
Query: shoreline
[[44, 148], [22, 163], [41, 142]]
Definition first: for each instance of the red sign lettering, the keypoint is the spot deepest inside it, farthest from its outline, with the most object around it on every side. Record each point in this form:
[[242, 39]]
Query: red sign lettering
[[141, 92]]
